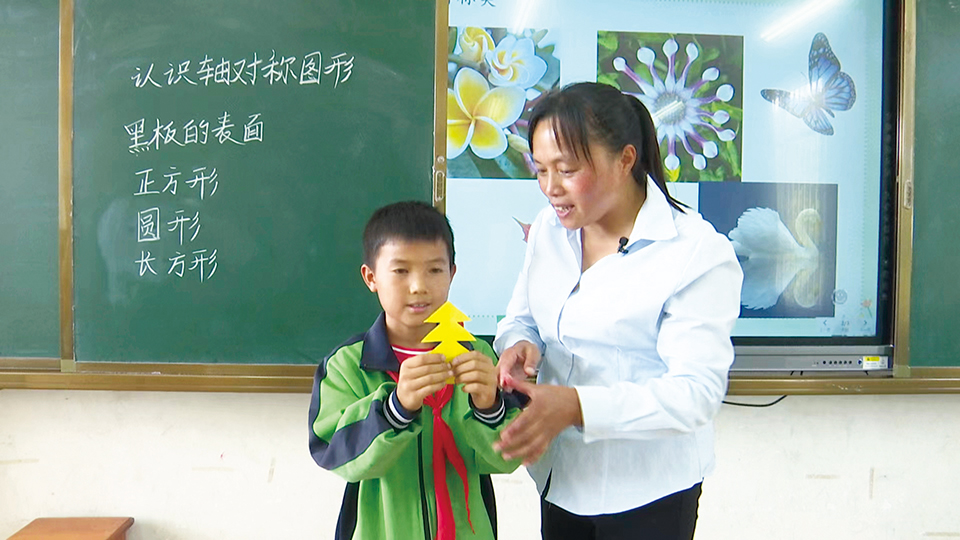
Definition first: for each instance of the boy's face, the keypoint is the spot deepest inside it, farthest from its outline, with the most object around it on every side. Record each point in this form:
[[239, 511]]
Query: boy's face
[[412, 280]]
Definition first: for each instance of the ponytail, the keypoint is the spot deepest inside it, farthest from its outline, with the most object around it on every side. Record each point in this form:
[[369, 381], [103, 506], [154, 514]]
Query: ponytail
[[648, 159]]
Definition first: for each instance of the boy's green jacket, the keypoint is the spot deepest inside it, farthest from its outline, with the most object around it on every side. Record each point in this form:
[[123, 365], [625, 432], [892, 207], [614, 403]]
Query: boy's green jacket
[[389, 472]]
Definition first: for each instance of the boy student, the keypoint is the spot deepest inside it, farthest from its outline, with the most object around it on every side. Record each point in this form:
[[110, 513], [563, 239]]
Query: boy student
[[382, 415]]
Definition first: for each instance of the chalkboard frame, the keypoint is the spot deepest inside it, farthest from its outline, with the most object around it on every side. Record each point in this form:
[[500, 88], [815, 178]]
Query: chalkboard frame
[[66, 373]]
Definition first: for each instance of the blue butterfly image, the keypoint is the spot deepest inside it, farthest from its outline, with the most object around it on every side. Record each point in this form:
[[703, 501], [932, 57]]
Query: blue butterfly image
[[828, 90]]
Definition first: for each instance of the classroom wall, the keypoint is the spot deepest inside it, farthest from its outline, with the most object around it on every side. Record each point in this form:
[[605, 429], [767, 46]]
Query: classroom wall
[[198, 466]]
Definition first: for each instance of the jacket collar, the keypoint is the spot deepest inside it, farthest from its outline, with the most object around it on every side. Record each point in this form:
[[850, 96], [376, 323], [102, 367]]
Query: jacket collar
[[377, 354]]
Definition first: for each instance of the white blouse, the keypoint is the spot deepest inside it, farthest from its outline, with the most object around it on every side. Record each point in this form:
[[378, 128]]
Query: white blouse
[[644, 338]]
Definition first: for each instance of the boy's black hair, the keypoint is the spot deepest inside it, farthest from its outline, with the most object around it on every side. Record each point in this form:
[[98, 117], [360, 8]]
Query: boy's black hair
[[408, 221]]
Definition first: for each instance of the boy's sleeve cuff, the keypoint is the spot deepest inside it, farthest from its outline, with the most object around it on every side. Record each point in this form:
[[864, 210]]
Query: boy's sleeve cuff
[[492, 416], [399, 417]]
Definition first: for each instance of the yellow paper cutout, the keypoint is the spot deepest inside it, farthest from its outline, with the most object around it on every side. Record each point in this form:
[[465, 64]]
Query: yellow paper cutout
[[448, 332], [447, 313], [449, 349]]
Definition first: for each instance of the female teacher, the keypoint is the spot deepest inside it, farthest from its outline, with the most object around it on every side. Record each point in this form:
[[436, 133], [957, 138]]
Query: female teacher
[[623, 309]]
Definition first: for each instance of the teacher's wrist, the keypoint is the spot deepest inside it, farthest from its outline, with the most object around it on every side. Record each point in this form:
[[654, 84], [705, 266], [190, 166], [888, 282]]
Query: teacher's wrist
[[574, 412]]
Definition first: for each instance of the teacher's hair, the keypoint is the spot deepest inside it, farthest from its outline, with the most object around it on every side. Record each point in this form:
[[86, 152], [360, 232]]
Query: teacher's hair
[[584, 112]]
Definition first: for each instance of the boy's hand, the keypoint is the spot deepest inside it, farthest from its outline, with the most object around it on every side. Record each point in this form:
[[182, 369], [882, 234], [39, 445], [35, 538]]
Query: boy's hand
[[476, 372], [421, 376]]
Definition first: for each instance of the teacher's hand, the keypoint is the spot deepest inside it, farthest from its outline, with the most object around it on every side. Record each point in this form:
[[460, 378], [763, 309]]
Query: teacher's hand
[[518, 362], [551, 410]]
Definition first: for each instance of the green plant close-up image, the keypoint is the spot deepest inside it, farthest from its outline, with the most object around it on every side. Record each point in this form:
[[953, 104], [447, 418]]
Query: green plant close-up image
[[692, 85]]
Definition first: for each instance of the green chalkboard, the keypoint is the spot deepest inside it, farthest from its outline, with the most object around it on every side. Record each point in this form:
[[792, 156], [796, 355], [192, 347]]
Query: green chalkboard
[[935, 291], [29, 290], [281, 126]]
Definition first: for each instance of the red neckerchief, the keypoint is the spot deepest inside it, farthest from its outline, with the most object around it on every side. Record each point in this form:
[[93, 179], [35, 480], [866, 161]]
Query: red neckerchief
[[444, 450]]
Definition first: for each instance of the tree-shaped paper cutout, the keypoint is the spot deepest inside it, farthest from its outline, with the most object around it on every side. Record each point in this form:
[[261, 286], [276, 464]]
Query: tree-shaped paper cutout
[[449, 332]]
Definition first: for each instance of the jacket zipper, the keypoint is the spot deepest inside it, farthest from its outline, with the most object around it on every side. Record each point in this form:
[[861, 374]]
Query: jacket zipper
[[423, 492]]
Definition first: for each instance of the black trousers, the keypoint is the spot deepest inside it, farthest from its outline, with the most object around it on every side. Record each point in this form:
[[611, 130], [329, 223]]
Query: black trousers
[[673, 517]]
